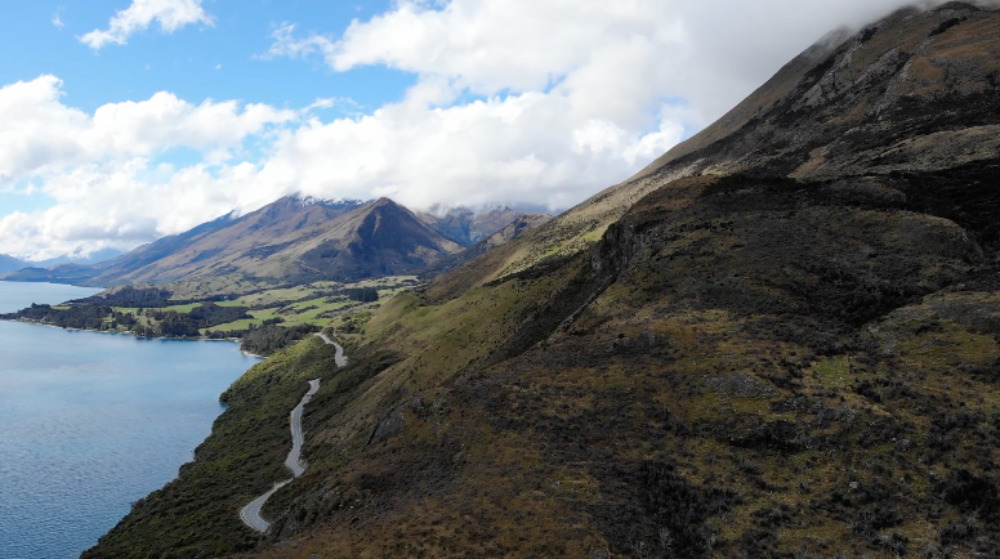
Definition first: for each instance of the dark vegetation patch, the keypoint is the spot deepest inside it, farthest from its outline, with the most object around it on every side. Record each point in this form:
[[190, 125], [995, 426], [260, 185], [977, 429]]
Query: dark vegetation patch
[[144, 297], [207, 254], [189, 324], [129, 296], [755, 433], [84, 316], [967, 195], [946, 25], [362, 294], [659, 513], [853, 269], [971, 494], [868, 33], [270, 338]]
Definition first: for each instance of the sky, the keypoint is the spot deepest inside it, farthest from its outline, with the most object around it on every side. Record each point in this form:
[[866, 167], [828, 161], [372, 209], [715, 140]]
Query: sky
[[122, 121]]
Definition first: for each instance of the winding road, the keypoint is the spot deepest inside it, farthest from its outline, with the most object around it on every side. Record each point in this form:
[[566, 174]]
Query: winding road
[[339, 358], [250, 514], [294, 460]]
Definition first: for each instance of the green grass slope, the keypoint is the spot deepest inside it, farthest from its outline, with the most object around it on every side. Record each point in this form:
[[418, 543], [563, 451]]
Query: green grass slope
[[806, 399], [197, 514]]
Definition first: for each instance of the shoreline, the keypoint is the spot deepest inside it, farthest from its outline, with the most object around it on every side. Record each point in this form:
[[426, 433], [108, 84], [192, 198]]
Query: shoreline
[[134, 335], [187, 407]]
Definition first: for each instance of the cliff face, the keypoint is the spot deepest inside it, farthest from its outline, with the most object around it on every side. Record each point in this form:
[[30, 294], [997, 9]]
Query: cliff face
[[780, 340]]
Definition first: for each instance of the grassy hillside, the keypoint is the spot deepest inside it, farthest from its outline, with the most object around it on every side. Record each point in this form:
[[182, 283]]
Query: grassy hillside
[[763, 346], [841, 398], [814, 405]]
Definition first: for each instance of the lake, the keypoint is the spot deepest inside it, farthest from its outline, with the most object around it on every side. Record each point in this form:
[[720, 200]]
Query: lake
[[91, 422]]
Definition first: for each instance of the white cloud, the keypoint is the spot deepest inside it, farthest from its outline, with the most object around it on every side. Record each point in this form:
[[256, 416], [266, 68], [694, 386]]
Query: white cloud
[[41, 135], [491, 46], [57, 18], [572, 96], [712, 52], [516, 148], [171, 15], [106, 170]]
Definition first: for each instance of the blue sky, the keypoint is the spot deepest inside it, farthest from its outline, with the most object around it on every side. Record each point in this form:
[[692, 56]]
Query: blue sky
[[195, 62], [125, 120]]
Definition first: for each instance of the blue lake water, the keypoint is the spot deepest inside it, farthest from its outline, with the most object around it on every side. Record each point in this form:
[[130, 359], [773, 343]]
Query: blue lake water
[[91, 422]]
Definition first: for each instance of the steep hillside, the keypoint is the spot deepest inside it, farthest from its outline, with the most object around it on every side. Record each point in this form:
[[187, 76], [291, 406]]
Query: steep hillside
[[907, 93], [582, 226], [770, 349]]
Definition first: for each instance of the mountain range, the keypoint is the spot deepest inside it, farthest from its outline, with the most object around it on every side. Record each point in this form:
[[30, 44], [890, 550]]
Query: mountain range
[[291, 241], [780, 339], [11, 264]]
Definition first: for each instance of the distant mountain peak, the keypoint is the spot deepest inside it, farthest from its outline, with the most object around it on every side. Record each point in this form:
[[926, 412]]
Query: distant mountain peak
[[442, 211], [333, 203], [467, 226], [383, 201], [293, 239]]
